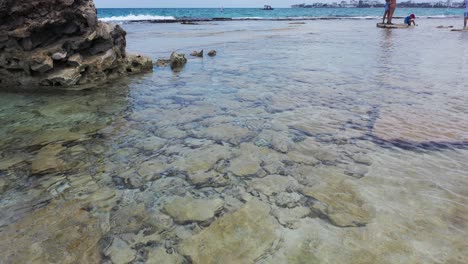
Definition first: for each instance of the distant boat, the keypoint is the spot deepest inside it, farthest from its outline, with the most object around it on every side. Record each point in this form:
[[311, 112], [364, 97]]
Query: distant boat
[[267, 7]]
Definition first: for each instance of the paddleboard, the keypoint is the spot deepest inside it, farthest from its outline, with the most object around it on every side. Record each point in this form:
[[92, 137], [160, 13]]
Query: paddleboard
[[459, 29], [382, 25]]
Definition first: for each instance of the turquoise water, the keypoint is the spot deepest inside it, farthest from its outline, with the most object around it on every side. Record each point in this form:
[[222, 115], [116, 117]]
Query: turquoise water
[[122, 14]]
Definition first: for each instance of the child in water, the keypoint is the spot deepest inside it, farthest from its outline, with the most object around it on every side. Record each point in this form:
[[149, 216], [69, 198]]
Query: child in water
[[387, 10], [410, 20]]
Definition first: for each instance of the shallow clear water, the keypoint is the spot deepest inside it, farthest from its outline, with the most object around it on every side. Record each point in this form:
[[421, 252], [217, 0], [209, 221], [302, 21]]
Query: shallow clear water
[[323, 142]]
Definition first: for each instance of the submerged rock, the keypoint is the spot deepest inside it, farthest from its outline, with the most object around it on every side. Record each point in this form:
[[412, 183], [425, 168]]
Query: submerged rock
[[273, 184], [120, 252], [421, 125], [162, 62], [240, 237], [187, 209], [160, 256], [47, 160], [245, 166], [341, 203], [61, 43], [212, 53], [3, 185], [61, 232], [197, 54]]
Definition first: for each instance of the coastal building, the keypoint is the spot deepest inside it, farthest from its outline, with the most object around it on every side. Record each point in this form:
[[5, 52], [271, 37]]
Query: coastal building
[[380, 3]]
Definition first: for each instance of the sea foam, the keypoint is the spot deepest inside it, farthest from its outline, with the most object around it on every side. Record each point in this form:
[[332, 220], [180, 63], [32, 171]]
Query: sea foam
[[132, 17]]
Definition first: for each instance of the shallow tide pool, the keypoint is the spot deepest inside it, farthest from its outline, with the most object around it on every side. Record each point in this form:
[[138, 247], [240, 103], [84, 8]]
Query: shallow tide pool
[[322, 142]]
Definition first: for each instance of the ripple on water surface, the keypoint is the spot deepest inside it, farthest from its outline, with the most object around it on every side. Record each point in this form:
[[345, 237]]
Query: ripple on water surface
[[287, 147]]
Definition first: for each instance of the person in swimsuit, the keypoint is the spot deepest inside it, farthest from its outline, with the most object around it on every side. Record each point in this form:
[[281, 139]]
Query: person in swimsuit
[[387, 11], [465, 15], [392, 11]]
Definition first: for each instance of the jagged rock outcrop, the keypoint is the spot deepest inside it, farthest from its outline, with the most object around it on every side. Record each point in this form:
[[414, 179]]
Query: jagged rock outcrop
[[176, 61], [61, 43]]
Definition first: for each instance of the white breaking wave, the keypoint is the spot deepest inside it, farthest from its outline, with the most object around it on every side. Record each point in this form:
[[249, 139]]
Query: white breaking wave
[[252, 18], [136, 18]]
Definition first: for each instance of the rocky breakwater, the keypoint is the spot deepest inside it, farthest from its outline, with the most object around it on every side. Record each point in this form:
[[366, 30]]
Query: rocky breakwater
[[61, 43]]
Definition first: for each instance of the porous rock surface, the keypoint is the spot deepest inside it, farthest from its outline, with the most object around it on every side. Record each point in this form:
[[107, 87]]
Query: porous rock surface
[[61, 43]]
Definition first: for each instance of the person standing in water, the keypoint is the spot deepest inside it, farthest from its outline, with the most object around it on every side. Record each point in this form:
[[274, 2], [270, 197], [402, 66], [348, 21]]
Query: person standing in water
[[391, 11], [465, 15], [387, 10]]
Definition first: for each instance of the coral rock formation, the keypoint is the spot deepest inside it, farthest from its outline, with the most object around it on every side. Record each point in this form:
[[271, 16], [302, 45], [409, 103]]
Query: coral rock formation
[[61, 43]]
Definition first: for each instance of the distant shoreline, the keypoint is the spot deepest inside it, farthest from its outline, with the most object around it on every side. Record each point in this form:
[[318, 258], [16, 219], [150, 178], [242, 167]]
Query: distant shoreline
[[220, 19], [280, 8], [195, 15]]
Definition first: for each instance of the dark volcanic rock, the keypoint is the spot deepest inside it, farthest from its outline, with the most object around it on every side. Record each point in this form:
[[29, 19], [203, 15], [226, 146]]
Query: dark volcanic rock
[[212, 53], [61, 43]]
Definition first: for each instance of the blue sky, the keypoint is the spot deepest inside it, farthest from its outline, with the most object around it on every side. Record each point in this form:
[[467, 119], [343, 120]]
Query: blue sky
[[200, 3]]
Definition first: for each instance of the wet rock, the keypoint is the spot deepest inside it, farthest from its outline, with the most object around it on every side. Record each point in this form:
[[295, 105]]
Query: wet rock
[[57, 233], [273, 184], [75, 60], [40, 32], [42, 64], [197, 54], [240, 237], [136, 63], [62, 77], [47, 160], [120, 252], [160, 256], [212, 53], [340, 202], [178, 61], [187, 209], [59, 56]]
